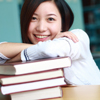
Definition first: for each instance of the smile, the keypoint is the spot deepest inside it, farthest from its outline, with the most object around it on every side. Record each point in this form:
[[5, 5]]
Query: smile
[[41, 36]]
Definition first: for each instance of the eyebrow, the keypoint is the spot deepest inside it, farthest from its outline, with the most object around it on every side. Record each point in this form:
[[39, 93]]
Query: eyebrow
[[52, 14], [35, 14], [47, 14]]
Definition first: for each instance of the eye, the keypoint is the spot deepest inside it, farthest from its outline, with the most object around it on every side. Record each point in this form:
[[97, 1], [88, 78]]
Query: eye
[[51, 19], [34, 18]]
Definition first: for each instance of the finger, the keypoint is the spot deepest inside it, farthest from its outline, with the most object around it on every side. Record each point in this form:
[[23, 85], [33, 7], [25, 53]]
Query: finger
[[75, 39], [72, 36]]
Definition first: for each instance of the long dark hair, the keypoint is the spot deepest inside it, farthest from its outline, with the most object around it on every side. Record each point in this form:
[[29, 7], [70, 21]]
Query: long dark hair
[[29, 8]]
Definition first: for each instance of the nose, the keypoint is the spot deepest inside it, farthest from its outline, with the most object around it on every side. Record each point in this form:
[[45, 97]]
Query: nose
[[41, 27]]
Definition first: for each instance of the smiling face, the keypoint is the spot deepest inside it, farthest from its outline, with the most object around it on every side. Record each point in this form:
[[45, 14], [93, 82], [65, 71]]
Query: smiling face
[[45, 23]]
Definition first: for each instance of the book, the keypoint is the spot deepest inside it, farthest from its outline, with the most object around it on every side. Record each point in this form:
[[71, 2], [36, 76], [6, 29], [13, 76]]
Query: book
[[10, 89], [38, 94], [34, 66], [8, 80], [48, 93]]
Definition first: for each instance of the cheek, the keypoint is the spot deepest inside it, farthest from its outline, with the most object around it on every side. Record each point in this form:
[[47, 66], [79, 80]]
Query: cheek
[[56, 28], [31, 27]]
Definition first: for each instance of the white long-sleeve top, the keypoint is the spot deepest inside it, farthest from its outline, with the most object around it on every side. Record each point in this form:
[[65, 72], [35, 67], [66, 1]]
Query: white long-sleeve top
[[83, 70]]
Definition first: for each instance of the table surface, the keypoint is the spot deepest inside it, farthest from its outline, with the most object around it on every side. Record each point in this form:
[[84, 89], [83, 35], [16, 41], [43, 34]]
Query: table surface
[[85, 92]]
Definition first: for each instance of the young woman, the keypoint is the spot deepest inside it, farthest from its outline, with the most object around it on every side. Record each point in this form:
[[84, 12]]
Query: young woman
[[44, 26]]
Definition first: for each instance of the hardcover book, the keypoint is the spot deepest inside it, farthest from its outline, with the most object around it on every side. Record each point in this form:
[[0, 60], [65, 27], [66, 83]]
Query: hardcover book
[[16, 79], [38, 94], [10, 89], [34, 66], [48, 93]]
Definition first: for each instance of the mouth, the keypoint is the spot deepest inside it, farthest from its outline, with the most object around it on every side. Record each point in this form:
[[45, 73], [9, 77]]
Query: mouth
[[41, 37]]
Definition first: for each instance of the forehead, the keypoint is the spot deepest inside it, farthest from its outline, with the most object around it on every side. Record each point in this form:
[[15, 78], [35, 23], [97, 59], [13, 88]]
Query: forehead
[[47, 6]]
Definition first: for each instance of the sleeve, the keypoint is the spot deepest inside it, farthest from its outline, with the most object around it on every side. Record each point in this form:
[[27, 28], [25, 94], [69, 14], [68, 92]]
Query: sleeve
[[2, 42], [3, 58], [48, 49], [80, 49]]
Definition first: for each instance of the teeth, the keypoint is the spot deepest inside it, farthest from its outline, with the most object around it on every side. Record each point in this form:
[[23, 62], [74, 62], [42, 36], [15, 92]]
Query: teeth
[[41, 36]]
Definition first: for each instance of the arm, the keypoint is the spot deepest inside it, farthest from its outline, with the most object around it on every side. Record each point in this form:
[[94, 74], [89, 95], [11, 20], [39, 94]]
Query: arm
[[10, 50], [48, 49], [36, 51]]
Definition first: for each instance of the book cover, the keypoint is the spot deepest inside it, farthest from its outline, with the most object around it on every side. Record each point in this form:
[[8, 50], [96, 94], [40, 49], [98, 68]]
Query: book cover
[[10, 89], [17, 79], [34, 66]]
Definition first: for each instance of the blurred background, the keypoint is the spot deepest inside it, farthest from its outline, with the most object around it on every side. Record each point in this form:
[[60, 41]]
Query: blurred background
[[87, 17]]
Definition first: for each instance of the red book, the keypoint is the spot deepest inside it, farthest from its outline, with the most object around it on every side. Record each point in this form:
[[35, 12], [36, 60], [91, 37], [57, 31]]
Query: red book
[[34, 66], [17, 79], [10, 89]]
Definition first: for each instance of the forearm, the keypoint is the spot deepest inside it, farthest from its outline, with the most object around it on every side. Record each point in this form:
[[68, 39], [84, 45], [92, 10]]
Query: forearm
[[15, 59], [48, 49], [11, 50]]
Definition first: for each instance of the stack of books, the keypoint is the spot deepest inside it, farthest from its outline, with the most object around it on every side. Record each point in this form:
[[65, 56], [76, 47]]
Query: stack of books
[[40, 79]]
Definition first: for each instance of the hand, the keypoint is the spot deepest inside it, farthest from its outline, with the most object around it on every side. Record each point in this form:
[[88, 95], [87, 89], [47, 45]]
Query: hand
[[69, 35]]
